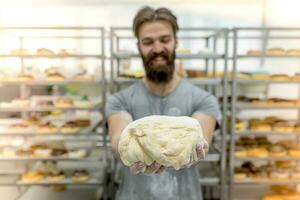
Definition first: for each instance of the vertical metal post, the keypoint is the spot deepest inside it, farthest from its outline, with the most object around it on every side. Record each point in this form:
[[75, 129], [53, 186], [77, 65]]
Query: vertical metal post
[[111, 81], [232, 113], [224, 119]]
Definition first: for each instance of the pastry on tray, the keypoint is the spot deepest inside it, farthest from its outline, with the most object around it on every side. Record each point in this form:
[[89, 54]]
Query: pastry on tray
[[20, 51], [44, 52], [56, 176], [283, 127], [80, 176], [280, 77], [258, 152], [277, 150], [275, 51], [32, 176], [63, 102], [254, 52], [25, 77], [70, 128], [47, 128]]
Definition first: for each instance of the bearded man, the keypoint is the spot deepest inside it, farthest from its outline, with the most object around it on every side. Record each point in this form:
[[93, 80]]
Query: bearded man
[[160, 92]]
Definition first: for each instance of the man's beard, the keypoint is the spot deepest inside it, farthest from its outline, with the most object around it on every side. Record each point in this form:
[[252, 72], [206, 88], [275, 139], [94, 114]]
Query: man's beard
[[159, 74]]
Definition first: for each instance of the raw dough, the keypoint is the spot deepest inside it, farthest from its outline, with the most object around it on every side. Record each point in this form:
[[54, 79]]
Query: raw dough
[[170, 141]]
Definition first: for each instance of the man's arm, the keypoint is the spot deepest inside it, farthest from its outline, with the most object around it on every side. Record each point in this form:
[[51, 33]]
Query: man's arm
[[208, 125], [116, 124]]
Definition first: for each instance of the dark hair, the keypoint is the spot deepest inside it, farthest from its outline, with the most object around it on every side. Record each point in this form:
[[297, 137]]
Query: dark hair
[[149, 14]]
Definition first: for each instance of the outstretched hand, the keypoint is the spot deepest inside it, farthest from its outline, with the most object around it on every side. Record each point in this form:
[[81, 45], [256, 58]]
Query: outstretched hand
[[140, 167]]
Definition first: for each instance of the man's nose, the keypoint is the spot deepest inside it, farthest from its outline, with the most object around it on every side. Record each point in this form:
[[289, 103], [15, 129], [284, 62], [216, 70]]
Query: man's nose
[[158, 47]]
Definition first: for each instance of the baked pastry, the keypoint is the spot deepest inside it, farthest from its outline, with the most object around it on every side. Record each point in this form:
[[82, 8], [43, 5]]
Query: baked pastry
[[295, 153], [32, 176], [260, 126], [80, 176], [20, 51], [240, 152], [63, 102], [42, 153], [133, 74], [240, 173], [295, 174], [285, 164], [18, 126], [258, 152], [25, 77], [277, 150], [84, 102], [44, 52], [70, 128], [296, 77], [260, 76], [57, 176], [183, 51], [32, 120], [254, 52], [55, 76], [259, 175], [243, 76], [195, 73], [283, 127], [59, 152], [63, 52], [292, 52], [280, 77], [240, 125], [47, 128], [272, 197], [82, 122], [297, 127], [272, 120], [275, 51], [279, 174], [81, 153]]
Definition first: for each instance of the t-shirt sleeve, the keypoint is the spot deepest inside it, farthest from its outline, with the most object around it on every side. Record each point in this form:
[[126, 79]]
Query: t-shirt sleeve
[[115, 104], [206, 103]]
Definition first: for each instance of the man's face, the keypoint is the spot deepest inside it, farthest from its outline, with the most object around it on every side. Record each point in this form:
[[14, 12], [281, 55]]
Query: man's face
[[157, 44]]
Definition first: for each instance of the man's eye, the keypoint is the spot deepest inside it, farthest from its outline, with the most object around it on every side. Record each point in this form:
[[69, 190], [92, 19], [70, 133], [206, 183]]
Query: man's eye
[[146, 43], [165, 40]]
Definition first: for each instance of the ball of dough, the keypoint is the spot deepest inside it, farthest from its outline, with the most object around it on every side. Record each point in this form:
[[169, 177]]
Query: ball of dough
[[170, 141]]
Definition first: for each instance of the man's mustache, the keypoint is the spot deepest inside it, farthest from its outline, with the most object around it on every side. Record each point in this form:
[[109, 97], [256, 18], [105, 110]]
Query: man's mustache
[[155, 55]]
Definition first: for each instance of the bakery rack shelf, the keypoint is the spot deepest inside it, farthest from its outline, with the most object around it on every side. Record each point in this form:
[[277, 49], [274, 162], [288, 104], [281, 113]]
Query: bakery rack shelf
[[263, 37], [272, 107], [49, 83], [28, 159], [209, 181], [79, 56], [67, 181], [48, 108], [196, 81], [212, 158], [63, 136], [266, 158], [268, 56], [204, 55], [256, 133], [261, 81], [88, 60], [271, 182]]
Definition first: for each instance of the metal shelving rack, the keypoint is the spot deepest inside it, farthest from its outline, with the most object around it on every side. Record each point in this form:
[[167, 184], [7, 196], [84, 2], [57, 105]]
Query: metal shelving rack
[[265, 34], [89, 134], [208, 37]]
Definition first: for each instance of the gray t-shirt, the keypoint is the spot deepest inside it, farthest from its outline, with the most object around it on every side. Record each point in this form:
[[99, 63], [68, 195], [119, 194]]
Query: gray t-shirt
[[185, 100]]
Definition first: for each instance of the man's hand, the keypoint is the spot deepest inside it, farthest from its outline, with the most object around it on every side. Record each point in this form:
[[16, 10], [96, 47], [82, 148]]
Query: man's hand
[[202, 150], [140, 167]]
